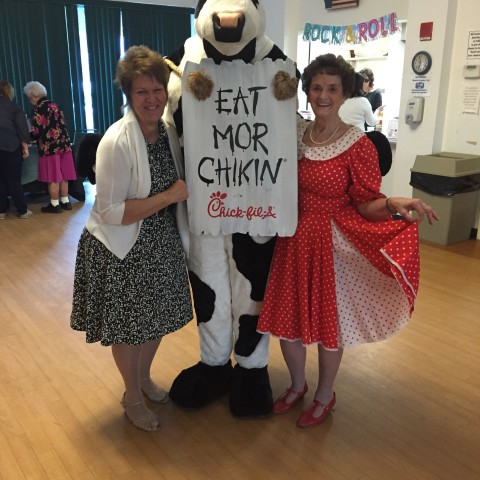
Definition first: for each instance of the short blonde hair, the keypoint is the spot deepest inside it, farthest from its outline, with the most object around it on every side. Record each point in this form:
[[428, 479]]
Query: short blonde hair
[[34, 89], [6, 90], [140, 60]]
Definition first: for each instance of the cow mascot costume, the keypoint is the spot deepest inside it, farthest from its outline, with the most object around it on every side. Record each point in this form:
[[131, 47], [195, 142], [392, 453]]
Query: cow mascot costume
[[228, 273]]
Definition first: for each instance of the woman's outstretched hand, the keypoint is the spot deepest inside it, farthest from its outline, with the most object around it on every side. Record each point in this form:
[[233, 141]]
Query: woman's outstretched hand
[[406, 206]]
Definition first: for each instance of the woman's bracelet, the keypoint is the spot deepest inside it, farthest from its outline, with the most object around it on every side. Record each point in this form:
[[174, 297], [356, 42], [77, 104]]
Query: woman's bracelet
[[388, 207]]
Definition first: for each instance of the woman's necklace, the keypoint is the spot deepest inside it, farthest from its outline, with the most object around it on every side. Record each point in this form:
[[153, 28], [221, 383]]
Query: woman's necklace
[[150, 134], [328, 139]]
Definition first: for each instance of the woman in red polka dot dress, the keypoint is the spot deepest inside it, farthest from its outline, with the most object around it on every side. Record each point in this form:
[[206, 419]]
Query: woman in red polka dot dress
[[350, 273]]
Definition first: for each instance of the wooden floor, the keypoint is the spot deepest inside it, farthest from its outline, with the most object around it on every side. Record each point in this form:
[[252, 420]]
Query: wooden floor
[[407, 408]]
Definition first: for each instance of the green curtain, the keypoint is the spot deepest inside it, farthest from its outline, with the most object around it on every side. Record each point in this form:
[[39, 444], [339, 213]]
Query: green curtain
[[39, 40], [35, 46], [14, 54], [103, 39], [75, 63], [163, 29]]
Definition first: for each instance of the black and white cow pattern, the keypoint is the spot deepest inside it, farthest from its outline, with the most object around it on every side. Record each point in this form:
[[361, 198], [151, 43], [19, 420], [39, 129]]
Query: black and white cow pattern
[[228, 272]]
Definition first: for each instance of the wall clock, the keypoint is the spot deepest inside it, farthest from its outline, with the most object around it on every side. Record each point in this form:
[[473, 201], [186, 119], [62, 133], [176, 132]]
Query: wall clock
[[421, 63]]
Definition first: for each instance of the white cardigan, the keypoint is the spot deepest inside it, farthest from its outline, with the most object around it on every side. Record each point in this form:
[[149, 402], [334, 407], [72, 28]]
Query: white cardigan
[[123, 172]]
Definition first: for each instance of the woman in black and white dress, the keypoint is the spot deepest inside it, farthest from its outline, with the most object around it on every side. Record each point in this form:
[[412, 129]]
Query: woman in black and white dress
[[131, 284]]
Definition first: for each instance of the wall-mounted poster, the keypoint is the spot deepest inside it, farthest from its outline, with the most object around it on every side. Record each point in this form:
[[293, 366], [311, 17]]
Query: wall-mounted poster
[[334, 4], [240, 150], [473, 51]]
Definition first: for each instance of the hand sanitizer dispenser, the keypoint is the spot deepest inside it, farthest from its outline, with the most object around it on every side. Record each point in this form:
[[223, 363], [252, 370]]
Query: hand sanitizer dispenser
[[414, 113]]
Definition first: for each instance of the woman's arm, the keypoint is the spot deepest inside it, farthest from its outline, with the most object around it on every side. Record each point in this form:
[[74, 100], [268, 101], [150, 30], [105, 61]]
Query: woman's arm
[[114, 164], [40, 120], [377, 100], [25, 152], [21, 126], [139, 209], [371, 118], [382, 208]]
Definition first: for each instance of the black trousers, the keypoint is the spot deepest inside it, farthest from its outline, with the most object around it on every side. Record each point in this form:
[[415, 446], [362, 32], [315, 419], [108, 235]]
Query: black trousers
[[11, 180]]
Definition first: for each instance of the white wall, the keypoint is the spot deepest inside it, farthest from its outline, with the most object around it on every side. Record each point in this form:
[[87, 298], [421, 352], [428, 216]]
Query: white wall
[[276, 15], [426, 137], [462, 132]]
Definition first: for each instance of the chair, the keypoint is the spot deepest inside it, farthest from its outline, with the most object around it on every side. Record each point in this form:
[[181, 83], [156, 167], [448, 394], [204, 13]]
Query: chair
[[75, 187], [384, 150], [86, 154]]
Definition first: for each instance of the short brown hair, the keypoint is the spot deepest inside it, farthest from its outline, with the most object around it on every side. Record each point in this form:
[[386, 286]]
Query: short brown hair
[[368, 74], [330, 65], [140, 60], [6, 90]]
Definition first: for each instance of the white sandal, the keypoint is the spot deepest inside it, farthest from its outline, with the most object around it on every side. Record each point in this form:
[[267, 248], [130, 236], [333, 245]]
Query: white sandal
[[147, 420], [153, 392]]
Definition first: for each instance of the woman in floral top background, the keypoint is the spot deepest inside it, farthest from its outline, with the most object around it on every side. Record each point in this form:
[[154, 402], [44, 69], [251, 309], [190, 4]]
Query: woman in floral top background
[[55, 162]]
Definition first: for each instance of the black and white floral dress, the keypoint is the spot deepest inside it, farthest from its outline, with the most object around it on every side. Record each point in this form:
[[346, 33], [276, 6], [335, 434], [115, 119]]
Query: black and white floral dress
[[146, 295]]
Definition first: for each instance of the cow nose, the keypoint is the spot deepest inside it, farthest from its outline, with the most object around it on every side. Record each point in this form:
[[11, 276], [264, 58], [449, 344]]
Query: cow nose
[[228, 27], [229, 20]]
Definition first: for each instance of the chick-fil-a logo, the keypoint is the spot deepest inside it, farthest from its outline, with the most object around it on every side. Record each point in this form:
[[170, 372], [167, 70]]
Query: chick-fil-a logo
[[217, 209]]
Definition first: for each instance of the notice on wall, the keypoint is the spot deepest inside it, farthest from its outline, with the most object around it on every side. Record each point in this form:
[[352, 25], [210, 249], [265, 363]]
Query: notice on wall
[[240, 150], [473, 50], [471, 99], [421, 86]]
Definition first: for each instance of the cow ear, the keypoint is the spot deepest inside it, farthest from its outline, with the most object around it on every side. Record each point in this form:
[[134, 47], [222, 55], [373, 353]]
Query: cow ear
[[200, 84], [284, 86]]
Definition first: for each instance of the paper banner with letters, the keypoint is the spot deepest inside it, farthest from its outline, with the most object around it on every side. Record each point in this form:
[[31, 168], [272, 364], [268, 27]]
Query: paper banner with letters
[[240, 150], [352, 34]]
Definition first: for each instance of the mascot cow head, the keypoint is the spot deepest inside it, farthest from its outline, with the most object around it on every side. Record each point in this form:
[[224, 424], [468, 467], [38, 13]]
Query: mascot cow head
[[230, 29], [225, 30]]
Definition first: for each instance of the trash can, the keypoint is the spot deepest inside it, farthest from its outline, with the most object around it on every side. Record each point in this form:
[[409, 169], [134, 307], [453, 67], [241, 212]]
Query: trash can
[[450, 183]]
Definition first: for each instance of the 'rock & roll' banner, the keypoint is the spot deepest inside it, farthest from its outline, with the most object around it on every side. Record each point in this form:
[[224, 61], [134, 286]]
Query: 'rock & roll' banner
[[240, 151], [352, 34]]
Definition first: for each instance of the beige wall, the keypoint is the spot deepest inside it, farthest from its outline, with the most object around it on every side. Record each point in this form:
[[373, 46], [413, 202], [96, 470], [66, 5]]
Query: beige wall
[[427, 136], [462, 131]]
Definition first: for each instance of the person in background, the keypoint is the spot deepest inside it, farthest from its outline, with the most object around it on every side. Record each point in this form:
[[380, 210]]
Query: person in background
[[14, 140], [357, 110], [55, 159], [344, 278], [131, 284], [374, 95]]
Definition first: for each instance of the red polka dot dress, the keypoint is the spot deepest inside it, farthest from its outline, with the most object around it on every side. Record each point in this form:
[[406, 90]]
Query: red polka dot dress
[[340, 280]]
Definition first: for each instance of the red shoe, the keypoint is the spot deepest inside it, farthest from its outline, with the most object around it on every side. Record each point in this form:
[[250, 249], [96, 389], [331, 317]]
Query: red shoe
[[306, 418], [282, 406]]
